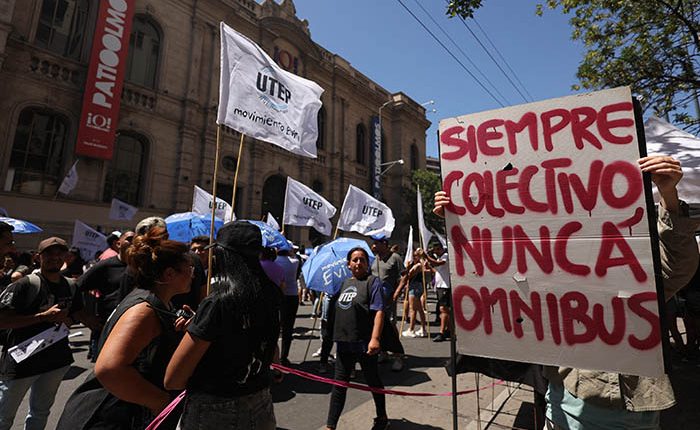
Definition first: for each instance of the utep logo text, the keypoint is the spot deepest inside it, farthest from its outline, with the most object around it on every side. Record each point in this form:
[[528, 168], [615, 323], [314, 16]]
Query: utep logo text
[[272, 92], [346, 297]]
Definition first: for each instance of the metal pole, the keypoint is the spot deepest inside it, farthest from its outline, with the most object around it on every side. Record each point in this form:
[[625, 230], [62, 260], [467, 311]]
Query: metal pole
[[213, 206]]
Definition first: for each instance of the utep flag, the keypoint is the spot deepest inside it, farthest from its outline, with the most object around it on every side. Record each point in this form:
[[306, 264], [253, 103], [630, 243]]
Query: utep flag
[[121, 211], [305, 207], [408, 259], [262, 100], [272, 222], [70, 181], [88, 240], [425, 234], [202, 201], [365, 214]]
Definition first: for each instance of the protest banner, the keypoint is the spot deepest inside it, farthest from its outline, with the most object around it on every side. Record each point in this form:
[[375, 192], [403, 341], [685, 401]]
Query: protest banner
[[424, 233], [305, 207], [550, 253], [272, 222], [121, 211], [365, 214], [262, 100], [202, 203], [88, 240]]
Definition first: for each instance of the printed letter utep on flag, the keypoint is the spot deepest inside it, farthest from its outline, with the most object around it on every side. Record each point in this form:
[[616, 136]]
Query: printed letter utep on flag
[[120, 211], [549, 244], [261, 100], [88, 240], [365, 214], [202, 201], [305, 207]]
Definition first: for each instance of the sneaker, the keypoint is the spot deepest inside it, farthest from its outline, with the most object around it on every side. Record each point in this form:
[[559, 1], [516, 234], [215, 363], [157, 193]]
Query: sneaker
[[323, 368], [380, 423], [421, 333], [317, 353], [439, 338], [397, 365], [408, 333]]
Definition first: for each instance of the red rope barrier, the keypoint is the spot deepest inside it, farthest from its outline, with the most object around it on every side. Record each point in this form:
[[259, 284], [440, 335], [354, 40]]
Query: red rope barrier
[[361, 387]]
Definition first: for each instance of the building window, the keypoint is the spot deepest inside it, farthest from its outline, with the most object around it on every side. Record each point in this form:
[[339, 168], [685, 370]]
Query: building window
[[414, 157], [61, 27], [125, 169], [317, 186], [320, 141], [360, 144], [36, 162], [144, 50]]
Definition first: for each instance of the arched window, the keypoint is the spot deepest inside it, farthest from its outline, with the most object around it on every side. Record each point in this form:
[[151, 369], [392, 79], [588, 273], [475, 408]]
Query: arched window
[[320, 141], [317, 186], [62, 25], [144, 50], [273, 196], [414, 157], [125, 169], [360, 144], [36, 163]]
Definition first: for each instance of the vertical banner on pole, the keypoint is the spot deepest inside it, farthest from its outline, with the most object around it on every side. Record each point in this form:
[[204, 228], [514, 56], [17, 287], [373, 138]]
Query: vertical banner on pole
[[375, 157], [105, 77], [550, 251]]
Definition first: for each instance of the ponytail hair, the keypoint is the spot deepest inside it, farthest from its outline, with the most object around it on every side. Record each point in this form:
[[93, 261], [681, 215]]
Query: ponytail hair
[[151, 254]]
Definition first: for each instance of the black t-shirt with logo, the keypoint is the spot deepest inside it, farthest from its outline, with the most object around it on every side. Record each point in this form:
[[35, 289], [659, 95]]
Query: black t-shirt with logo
[[18, 297], [238, 359]]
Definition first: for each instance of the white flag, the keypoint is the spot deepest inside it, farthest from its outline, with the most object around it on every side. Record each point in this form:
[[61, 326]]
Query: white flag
[[442, 240], [305, 207], [425, 234], [365, 214], [260, 99], [88, 240], [272, 222], [70, 181], [408, 259], [121, 211], [202, 202]]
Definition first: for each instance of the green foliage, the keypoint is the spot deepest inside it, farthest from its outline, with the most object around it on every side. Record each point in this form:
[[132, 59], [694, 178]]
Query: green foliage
[[429, 183], [650, 45]]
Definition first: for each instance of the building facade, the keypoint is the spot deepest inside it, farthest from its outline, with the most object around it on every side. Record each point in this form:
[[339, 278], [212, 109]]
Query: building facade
[[166, 133]]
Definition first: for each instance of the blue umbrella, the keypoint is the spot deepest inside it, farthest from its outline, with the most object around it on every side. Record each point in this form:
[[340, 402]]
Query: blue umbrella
[[186, 225], [271, 237], [20, 226], [327, 266]]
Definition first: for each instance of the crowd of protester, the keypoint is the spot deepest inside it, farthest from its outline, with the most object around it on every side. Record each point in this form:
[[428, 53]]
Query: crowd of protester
[[157, 327]]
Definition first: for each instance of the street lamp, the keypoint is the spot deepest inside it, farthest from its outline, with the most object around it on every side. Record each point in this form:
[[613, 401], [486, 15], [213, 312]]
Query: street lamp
[[390, 164]]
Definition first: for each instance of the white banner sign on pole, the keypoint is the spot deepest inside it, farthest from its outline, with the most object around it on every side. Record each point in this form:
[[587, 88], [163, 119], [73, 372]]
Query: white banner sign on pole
[[305, 207], [202, 201], [261, 100], [425, 234], [120, 211], [365, 214], [88, 240], [549, 244], [70, 180]]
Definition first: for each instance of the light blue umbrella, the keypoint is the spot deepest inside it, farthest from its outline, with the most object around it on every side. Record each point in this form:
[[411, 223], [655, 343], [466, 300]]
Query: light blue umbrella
[[327, 266], [271, 238], [21, 227], [186, 225]]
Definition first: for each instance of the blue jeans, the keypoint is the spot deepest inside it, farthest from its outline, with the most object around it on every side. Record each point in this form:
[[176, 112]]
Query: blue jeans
[[43, 391], [206, 411]]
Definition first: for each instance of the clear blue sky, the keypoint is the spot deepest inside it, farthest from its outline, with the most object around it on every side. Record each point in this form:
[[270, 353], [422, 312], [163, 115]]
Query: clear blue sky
[[381, 39]]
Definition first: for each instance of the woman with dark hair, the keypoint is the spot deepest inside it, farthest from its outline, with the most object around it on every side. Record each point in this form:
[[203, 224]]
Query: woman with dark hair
[[126, 390], [359, 317], [73, 265], [224, 358]]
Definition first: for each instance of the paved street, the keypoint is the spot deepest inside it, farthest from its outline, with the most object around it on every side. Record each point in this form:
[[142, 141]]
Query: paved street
[[303, 404]]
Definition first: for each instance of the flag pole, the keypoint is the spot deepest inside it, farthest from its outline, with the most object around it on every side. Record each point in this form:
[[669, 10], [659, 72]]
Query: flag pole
[[284, 208], [235, 176], [213, 206], [426, 314]]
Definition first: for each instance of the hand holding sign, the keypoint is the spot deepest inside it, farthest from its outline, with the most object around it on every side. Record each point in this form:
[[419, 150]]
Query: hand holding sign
[[666, 173]]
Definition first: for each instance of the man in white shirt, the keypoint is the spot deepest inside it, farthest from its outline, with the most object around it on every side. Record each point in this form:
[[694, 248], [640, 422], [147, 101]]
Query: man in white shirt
[[442, 287]]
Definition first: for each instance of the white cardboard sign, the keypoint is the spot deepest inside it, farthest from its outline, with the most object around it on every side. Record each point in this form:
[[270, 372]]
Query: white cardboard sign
[[549, 246]]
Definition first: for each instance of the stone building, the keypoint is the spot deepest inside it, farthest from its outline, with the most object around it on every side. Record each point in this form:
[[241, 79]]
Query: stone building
[[166, 130]]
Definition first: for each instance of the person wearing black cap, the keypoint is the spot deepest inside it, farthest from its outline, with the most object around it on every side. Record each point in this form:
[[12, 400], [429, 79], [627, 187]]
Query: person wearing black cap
[[224, 358], [28, 307]]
